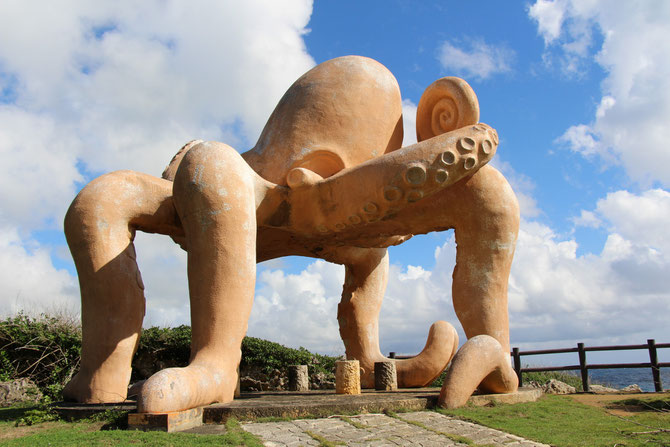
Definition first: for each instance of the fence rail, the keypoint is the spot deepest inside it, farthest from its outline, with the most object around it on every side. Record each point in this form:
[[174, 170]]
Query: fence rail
[[583, 366]]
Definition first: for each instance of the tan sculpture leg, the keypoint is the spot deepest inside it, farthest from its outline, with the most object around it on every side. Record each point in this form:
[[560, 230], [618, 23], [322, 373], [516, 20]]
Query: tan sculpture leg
[[100, 226], [358, 317], [485, 249], [484, 212], [480, 358], [214, 197]]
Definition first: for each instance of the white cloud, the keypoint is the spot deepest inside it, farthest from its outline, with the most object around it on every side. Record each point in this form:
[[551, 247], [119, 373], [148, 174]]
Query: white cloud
[[408, 122], [163, 267], [641, 218], [549, 15], [30, 282], [587, 219], [122, 86], [299, 309], [629, 126], [476, 59], [38, 170], [620, 293], [88, 87]]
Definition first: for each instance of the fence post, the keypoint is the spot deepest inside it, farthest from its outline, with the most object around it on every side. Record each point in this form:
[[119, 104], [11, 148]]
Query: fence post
[[583, 368], [517, 364], [655, 371], [391, 355]]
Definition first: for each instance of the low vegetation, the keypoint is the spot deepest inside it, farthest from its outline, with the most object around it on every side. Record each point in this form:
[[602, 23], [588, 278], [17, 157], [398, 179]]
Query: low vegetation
[[554, 420], [101, 431], [562, 421], [47, 349]]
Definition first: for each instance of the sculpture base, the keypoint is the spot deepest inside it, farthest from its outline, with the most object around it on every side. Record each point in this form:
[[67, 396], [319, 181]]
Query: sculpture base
[[169, 422], [316, 403], [321, 403]]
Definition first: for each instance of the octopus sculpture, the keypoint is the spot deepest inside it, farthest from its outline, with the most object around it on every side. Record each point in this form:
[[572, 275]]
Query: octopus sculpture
[[327, 179]]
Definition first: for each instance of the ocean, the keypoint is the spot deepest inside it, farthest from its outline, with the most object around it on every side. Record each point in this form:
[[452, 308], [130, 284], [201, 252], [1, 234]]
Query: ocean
[[620, 378]]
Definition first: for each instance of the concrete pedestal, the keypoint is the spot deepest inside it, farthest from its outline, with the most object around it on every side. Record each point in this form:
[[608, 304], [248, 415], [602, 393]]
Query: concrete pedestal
[[298, 378], [386, 377], [347, 377]]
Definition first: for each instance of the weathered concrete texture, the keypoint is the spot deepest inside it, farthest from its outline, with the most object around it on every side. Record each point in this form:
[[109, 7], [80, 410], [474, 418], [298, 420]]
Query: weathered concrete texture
[[347, 377], [521, 395], [325, 403], [72, 411], [290, 404], [423, 428], [170, 422], [318, 403], [386, 377], [298, 378]]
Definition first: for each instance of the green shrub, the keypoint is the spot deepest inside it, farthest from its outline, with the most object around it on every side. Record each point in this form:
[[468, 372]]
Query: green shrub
[[161, 348], [167, 347], [45, 349], [267, 356]]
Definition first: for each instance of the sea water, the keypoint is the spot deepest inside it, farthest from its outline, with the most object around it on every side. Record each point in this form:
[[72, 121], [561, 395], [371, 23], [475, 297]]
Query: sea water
[[620, 378]]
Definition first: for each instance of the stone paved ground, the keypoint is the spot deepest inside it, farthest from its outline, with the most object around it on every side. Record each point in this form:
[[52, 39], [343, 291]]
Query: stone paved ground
[[421, 428]]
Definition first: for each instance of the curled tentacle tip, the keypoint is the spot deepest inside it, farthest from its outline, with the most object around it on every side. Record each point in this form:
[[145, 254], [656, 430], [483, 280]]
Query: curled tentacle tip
[[447, 104]]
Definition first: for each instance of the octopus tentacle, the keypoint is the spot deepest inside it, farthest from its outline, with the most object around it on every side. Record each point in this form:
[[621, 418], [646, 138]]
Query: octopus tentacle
[[381, 187]]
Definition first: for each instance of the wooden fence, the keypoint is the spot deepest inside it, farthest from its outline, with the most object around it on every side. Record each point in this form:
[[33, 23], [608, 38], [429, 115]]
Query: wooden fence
[[583, 366]]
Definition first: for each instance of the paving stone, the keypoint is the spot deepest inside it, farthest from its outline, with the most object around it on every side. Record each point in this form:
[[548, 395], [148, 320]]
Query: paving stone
[[382, 430], [477, 433], [279, 433]]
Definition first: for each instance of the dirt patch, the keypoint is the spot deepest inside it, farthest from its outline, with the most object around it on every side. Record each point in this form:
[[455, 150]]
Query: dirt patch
[[11, 432], [8, 431], [606, 401]]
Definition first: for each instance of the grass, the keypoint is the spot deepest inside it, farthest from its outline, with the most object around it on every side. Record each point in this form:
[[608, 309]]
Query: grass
[[96, 432], [350, 421], [561, 421], [556, 420], [323, 442]]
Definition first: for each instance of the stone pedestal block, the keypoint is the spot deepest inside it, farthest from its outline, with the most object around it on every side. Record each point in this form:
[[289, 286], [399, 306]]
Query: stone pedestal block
[[347, 377], [298, 379], [386, 378]]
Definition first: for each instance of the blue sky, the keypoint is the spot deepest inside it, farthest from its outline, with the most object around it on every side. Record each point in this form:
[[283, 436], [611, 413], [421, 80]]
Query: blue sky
[[578, 91]]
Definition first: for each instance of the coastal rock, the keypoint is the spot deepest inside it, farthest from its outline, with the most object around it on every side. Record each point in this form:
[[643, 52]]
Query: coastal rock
[[20, 390], [634, 388], [602, 389], [557, 387], [322, 381]]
